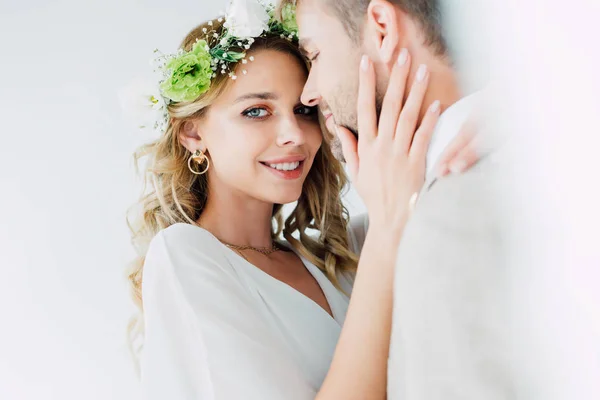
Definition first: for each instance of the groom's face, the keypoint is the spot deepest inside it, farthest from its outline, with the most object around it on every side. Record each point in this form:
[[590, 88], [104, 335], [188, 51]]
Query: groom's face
[[333, 80]]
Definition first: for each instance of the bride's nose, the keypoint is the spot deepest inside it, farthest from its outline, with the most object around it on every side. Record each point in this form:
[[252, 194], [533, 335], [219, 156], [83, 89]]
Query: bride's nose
[[290, 133]]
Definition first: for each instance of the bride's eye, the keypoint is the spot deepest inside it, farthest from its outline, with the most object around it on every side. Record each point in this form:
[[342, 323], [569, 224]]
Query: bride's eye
[[255, 113], [307, 111]]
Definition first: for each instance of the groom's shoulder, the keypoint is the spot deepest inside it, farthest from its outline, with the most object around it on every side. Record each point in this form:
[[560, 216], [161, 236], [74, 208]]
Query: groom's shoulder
[[477, 180], [479, 194]]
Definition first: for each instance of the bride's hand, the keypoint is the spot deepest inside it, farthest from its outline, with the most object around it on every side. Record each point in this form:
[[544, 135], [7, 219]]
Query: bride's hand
[[462, 153], [387, 165]]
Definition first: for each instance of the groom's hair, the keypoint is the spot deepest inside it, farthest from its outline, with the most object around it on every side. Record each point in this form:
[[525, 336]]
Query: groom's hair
[[426, 13]]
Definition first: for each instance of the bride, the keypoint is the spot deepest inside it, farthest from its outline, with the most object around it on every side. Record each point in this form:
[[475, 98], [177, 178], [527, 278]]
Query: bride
[[238, 303]]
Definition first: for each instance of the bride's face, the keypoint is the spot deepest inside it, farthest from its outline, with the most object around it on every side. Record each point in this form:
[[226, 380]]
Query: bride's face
[[260, 138]]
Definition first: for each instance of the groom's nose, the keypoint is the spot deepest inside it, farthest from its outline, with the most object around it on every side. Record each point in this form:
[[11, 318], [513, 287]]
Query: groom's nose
[[310, 96]]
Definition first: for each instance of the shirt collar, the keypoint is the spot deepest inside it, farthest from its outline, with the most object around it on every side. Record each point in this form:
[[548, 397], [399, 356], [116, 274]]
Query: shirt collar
[[447, 128]]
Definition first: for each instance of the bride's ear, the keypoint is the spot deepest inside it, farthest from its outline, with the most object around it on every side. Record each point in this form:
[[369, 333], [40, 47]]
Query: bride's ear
[[190, 138], [383, 29]]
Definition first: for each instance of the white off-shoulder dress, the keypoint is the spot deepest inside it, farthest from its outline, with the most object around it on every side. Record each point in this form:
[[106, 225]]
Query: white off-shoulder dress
[[219, 328]]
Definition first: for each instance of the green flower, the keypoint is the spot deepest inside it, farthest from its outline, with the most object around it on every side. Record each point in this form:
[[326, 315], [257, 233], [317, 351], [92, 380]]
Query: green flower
[[288, 18], [189, 74]]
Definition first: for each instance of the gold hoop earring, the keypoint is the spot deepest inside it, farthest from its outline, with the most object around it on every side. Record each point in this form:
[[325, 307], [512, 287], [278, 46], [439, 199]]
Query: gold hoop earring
[[198, 154]]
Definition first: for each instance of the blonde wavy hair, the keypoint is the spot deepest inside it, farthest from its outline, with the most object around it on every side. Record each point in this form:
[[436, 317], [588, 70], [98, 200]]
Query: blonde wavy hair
[[172, 194]]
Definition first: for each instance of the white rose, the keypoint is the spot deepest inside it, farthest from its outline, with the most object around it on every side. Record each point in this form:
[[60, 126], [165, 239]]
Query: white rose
[[144, 106], [246, 18]]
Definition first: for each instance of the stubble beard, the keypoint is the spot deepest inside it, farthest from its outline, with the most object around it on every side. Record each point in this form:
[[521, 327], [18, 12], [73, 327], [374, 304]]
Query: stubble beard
[[346, 119]]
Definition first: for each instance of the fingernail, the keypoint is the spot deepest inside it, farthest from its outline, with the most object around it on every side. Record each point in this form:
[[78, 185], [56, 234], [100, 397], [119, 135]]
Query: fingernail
[[443, 171], [435, 107], [364, 63], [403, 57], [421, 72], [458, 167]]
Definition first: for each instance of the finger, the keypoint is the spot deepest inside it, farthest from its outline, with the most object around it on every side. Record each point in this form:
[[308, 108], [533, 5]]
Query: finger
[[350, 149], [367, 110], [394, 97], [465, 159], [422, 138], [409, 117], [462, 140]]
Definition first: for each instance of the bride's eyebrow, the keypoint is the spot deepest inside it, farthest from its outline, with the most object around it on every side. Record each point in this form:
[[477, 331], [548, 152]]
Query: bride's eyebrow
[[260, 96]]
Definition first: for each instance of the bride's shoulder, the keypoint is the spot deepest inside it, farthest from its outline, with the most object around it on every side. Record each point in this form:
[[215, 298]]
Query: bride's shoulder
[[185, 235], [186, 244], [181, 260]]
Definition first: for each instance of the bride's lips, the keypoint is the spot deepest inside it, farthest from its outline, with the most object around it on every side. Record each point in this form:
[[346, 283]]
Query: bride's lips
[[287, 175]]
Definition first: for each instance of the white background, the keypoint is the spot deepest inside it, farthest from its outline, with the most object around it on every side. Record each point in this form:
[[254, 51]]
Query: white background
[[66, 180]]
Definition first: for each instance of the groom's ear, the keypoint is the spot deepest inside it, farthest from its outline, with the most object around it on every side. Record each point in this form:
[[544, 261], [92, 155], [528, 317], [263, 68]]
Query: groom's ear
[[384, 29]]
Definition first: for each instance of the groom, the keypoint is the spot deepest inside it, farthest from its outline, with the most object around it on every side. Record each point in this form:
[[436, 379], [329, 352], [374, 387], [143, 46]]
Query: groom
[[449, 336]]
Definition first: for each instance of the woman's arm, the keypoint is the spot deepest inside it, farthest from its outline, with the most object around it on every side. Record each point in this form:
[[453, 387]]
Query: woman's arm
[[388, 167], [358, 370]]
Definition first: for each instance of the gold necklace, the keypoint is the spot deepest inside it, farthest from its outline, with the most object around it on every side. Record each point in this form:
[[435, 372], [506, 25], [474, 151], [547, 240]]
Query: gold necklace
[[262, 250]]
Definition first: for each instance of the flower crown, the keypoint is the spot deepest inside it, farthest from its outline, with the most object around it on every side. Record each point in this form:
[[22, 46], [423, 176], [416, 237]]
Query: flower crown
[[186, 75]]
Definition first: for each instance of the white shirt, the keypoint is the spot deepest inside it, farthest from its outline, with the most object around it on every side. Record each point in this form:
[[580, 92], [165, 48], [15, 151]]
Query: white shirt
[[447, 128], [217, 327]]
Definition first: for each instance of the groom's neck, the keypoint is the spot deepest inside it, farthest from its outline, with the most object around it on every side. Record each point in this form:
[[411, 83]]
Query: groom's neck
[[443, 86], [443, 81]]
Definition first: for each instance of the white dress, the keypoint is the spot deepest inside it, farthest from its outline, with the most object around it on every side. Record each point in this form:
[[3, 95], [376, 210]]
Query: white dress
[[219, 328]]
